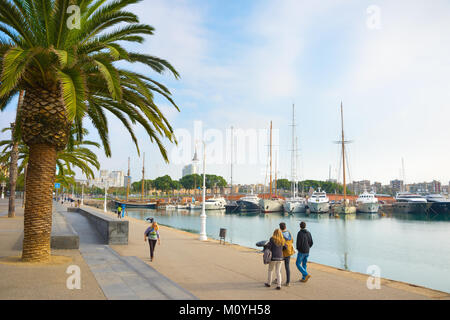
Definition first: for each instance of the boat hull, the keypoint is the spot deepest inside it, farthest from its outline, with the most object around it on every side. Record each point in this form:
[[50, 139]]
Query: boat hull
[[368, 207], [295, 207], [440, 207], [150, 205], [411, 207], [341, 209], [248, 205], [318, 207], [271, 205]]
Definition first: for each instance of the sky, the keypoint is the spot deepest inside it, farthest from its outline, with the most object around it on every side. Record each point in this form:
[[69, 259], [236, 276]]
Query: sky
[[245, 63]]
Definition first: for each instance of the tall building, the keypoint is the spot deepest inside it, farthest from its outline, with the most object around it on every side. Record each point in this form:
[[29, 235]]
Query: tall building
[[360, 186], [191, 168], [117, 178], [396, 186]]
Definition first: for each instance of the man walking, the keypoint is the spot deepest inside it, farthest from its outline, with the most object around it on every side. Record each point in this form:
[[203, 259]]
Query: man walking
[[287, 252], [119, 212], [304, 243]]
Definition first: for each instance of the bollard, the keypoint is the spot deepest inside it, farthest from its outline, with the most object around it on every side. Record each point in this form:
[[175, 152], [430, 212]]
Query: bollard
[[222, 234]]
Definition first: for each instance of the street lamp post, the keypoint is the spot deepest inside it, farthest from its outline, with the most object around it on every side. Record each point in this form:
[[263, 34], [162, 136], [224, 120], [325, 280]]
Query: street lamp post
[[82, 193], [203, 236], [104, 205]]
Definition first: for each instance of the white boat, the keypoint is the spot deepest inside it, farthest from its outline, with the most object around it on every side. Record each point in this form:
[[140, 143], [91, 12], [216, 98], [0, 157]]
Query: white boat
[[271, 205], [295, 205], [170, 207], [193, 206], [183, 206], [367, 203], [319, 202], [215, 203]]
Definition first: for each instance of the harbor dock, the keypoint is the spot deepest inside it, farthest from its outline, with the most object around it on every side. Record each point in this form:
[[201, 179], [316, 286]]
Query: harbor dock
[[200, 269]]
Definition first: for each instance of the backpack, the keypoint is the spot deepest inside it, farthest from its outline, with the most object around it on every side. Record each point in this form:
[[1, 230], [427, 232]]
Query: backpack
[[267, 256], [290, 247]]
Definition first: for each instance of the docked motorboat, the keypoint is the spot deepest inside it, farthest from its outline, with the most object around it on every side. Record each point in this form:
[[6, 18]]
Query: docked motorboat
[[215, 203], [249, 202], [439, 204], [231, 207], [319, 202], [193, 206], [406, 202], [367, 203]]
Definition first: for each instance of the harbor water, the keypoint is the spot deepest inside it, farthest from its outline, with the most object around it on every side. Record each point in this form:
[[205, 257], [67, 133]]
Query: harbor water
[[409, 248]]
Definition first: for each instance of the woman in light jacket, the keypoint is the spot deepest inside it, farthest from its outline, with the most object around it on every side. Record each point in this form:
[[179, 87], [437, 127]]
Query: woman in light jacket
[[276, 245]]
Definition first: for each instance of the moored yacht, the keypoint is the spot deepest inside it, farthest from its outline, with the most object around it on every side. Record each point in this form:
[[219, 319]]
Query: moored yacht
[[295, 205], [249, 202], [319, 202], [406, 202], [215, 203], [439, 204], [367, 203]]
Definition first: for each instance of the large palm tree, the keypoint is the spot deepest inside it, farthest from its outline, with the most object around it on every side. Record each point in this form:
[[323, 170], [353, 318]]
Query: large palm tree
[[68, 74]]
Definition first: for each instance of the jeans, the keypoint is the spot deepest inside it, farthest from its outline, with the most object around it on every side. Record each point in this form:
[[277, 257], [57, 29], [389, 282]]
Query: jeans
[[277, 266], [302, 259], [287, 260], [152, 244]]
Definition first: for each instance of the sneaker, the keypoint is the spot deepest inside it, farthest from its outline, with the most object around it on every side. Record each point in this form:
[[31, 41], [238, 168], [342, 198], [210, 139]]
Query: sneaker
[[287, 284], [267, 285], [278, 288], [306, 278]]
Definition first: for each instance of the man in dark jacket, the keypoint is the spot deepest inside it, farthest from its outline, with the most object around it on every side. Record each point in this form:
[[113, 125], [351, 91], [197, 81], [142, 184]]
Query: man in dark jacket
[[304, 243]]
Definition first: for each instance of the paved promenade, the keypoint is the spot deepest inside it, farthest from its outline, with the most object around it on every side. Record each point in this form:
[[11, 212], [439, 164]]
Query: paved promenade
[[193, 269]]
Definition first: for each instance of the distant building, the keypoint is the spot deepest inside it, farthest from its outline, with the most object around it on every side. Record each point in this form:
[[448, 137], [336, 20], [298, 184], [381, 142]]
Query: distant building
[[191, 168], [396, 186], [360, 186]]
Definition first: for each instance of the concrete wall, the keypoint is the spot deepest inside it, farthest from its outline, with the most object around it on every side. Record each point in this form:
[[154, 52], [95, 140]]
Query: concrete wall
[[113, 230]]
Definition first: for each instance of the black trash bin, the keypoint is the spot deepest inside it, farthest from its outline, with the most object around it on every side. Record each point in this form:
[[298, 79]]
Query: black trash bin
[[222, 235]]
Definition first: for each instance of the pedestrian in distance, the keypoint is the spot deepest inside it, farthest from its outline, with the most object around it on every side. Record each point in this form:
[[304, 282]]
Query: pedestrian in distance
[[276, 245], [152, 233], [304, 243], [288, 251], [119, 212]]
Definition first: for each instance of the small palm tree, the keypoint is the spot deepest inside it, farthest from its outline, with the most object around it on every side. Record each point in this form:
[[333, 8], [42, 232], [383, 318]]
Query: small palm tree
[[68, 74]]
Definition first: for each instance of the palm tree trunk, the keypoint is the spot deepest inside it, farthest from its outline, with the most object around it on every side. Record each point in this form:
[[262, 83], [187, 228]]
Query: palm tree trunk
[[38, 205], [13, 164]]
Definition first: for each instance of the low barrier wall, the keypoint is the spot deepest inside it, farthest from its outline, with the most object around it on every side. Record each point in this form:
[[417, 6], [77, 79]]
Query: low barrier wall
[[113, 230]]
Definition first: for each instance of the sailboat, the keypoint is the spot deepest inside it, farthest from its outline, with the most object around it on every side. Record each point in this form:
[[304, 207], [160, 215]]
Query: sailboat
[[295, 204], [131, 203], [272, 204], [345, 207]]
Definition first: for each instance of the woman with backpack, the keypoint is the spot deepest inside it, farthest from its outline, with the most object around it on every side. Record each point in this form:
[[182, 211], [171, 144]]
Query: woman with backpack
[[275, 245]]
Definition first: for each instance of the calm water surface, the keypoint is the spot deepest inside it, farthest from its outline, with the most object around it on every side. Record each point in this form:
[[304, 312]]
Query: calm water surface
[[409, 248]]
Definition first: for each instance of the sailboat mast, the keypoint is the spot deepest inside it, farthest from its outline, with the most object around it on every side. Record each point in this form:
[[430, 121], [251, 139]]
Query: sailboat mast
[[276, 186], [270, 181], [293, 155], [143, 181], [343, 152], [232, 138], [128, 178]]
